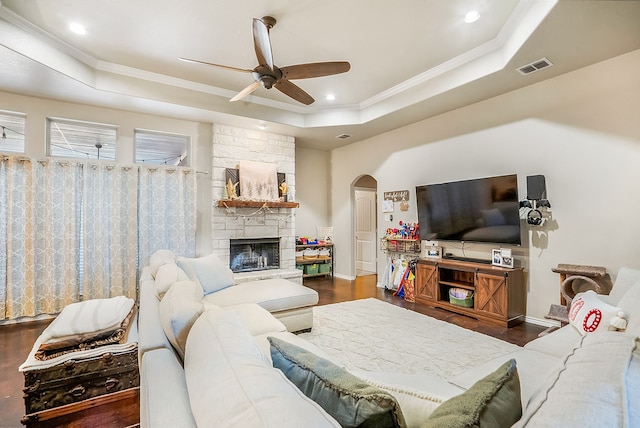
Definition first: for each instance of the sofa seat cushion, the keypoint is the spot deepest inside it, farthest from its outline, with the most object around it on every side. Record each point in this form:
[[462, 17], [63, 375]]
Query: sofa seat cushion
[[263, 342], [418, 394], [274, 295], [532, 368], [257, 319], [557, 344], [231, 382], [590, 388], [151, 333], [164, 400]]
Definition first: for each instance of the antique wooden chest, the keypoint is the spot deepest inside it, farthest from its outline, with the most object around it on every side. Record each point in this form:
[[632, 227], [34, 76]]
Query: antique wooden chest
[[78, 380]]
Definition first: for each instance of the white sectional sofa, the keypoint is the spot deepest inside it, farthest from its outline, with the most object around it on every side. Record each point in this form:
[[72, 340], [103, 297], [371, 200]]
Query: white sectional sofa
[[213, 367]]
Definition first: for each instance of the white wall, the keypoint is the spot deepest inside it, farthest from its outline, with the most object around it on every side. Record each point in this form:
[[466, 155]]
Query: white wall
[[579, 130], [312, 191]]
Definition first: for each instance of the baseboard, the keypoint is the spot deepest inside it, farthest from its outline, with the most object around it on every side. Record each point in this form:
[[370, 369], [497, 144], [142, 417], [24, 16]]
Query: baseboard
[[543, 322], [347, 277]]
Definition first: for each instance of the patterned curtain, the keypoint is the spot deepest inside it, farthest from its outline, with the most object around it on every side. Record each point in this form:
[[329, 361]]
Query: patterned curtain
[[166, 211], [109, 207], [72, 229], [39, 223]]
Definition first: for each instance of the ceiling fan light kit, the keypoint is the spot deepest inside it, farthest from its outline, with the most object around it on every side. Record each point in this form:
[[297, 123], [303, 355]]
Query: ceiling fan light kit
[[268, 75]]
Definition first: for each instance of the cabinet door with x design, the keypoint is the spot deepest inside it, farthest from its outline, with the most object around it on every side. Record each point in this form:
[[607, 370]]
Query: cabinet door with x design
[[491, 294]]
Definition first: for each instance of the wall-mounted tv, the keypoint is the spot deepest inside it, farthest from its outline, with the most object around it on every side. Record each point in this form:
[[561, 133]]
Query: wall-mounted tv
[[478, 210]]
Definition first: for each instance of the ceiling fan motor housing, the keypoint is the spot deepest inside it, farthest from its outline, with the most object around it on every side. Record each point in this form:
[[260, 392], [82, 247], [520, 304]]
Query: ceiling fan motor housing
[[266, 77]]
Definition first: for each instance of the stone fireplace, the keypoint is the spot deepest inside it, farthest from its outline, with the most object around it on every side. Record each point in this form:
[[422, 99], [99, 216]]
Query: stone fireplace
[[249, 255], [230, 146]]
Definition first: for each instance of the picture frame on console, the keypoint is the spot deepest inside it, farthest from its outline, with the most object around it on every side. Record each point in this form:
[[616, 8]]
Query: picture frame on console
[[433, 252], [502, 258]]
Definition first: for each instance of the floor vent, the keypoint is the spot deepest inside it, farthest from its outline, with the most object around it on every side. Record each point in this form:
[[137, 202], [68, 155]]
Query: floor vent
[[535, 66], [343, 136]]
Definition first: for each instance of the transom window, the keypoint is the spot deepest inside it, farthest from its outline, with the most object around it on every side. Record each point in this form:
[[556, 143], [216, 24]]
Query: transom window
[[13, 130], [78, 139], [160, 148]]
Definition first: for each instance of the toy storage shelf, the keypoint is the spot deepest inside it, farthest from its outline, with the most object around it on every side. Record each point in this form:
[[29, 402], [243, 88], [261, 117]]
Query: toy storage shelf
[[405, 246], [315, 259]]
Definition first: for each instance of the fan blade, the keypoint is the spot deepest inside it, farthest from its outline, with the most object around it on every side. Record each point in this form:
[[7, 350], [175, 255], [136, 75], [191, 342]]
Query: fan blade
[[262, 43], [294, 91], [195, 61], [246, 91], [315, 69]]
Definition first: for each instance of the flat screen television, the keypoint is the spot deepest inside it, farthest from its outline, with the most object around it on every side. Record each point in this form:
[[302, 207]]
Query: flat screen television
[[477, 210]]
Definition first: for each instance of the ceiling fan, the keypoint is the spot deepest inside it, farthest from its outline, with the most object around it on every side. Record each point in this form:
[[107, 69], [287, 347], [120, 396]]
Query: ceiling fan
[[268, 75]]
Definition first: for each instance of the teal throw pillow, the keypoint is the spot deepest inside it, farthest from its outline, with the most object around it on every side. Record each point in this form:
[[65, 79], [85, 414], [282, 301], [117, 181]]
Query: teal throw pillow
[[493, 401], [348, 399]]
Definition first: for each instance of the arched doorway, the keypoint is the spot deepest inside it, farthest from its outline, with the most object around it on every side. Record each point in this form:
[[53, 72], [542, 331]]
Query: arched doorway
[[365, 225]]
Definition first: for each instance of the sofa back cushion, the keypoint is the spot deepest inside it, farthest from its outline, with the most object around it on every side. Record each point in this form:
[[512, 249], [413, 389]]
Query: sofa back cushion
[[178, 310], [159, 258], [231, 382], [166, 275], [626, 279], [630, 305], [208, 271], [591, 387]]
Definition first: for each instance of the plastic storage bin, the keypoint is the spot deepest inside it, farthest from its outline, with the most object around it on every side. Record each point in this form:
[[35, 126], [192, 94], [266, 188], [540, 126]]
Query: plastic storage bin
[[311, 269], [324, 268]]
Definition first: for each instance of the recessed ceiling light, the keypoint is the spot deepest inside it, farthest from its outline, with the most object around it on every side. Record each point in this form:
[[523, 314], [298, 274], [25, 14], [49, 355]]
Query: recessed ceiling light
[[471, 16], [77, 28], [331, 97], [262, 126]]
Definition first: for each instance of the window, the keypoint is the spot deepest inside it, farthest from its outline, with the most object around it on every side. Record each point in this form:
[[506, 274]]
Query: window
[[13, 125], [77, 139], [158, 148]]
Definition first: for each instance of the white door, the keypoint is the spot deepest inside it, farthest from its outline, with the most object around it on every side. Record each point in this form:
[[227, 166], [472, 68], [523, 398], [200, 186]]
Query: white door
[[365, 227]]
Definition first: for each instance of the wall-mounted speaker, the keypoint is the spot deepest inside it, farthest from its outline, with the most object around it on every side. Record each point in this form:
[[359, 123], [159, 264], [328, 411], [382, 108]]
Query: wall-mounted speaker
[[536, 187]]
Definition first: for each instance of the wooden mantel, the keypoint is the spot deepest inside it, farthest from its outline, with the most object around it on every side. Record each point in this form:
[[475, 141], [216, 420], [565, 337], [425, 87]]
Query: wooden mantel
[[228, 203]]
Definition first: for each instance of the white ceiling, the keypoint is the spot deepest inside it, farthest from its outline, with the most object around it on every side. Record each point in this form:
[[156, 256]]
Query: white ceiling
[[410, 59]]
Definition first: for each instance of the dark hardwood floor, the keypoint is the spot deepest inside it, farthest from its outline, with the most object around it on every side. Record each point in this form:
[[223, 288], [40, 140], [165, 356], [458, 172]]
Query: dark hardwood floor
[[16, 340]]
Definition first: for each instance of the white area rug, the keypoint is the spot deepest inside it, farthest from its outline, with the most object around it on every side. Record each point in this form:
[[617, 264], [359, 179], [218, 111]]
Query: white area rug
[[373, 335]]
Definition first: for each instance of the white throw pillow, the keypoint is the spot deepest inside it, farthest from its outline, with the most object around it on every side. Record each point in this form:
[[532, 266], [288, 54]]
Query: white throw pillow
[[588, 313], [167, 274], [208, 271], [178, 310], [159, 258]]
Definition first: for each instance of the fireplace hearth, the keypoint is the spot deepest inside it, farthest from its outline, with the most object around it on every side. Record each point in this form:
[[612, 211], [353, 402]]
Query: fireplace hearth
[[248, 255]]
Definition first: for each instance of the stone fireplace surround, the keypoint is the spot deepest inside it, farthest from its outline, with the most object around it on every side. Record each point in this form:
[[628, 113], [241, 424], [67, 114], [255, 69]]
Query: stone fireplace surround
[[230, 146]]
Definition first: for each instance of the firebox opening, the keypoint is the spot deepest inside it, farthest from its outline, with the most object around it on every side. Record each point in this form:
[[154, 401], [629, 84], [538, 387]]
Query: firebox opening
[[254, 254]]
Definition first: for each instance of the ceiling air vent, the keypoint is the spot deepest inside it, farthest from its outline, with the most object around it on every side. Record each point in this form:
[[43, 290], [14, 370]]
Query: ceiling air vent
[[535, 66], [343, 136]]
